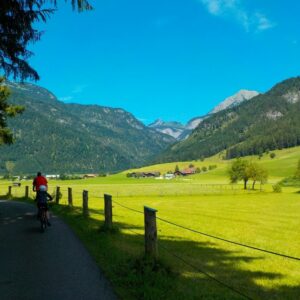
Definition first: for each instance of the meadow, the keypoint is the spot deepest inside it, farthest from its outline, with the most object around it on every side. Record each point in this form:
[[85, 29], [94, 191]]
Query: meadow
[[192, 265]]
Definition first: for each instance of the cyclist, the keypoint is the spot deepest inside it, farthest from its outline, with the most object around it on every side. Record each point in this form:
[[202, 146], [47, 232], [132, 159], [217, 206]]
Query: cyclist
[[42, 197], [38, 181]]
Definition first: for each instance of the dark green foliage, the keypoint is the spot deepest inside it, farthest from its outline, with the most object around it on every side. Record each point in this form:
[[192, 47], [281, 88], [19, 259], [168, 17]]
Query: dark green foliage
[[69, 177], [70, 138], [272, 155], [267, 122], [204, 169], [176, 169], [277, 188], [297, 174], [7, 111]]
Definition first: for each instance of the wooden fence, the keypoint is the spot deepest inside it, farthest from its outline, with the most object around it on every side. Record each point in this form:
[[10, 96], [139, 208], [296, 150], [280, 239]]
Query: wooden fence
[[150, 226]]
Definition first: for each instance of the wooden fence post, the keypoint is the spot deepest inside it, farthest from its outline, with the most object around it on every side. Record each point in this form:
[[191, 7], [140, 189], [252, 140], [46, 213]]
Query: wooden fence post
[[26, 191], [150, 232], [108, 211], [70, 197], [9, 191], [57, 195], [85, 203]]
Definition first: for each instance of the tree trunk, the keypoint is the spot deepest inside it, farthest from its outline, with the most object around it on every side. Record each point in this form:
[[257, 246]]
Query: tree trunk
[[245, 184], [253, 185]]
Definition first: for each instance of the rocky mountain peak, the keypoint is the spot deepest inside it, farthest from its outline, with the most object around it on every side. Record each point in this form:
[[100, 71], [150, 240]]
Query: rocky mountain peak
[[236, 99]]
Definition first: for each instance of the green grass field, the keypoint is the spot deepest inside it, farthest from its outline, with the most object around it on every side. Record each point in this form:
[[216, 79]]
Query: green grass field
[[204, 202]]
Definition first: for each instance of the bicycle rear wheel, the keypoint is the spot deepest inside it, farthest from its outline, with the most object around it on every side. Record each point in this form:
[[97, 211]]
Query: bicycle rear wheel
[[43, 220]]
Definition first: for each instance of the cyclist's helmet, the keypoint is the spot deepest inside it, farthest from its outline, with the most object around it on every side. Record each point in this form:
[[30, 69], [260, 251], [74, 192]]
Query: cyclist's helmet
[[43, 188]]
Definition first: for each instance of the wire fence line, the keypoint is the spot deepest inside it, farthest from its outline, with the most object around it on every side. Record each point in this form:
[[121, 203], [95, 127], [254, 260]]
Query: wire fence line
[[18, 192], [203, 272], [197, 269], [128, 208], [213, 236], [229, 241], [167, 190], [183, 260]]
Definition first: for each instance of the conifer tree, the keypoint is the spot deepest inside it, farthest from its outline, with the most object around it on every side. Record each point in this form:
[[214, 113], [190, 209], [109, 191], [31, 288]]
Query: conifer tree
[[6, 111], [17, 20]]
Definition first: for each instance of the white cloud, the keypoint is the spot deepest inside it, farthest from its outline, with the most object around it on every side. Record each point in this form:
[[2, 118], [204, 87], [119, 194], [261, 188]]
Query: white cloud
[[234, 9], [263, 22], [218, 7]]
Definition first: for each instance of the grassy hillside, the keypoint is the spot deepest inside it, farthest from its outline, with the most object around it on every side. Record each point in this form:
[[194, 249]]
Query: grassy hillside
[[283, 165]]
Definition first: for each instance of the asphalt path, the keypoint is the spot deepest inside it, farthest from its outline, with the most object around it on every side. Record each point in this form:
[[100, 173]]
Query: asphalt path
[[50, 265]]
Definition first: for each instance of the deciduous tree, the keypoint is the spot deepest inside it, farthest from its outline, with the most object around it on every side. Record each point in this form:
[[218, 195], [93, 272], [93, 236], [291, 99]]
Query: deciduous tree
[[256, 173], [238, 171]]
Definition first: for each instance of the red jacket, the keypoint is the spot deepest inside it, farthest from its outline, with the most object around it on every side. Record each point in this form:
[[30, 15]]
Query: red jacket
[[38, 181]]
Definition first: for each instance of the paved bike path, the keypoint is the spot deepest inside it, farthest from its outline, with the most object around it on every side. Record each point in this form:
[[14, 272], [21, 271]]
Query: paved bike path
[[50, 265]]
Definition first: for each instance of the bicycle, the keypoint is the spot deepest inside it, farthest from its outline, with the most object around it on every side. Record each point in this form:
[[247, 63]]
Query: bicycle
[[43, 217]]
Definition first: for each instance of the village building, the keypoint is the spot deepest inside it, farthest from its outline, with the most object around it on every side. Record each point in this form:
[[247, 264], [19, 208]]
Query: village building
[[52, 176], [89, 176]]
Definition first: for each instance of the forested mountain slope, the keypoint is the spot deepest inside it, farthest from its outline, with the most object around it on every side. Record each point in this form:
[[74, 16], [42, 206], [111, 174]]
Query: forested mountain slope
[[53, 136], [269, 121]]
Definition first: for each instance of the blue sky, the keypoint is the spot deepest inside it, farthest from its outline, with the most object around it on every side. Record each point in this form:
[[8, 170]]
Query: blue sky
[[168, 59]]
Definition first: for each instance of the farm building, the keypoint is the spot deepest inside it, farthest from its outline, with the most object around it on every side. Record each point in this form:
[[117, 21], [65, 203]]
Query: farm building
[[89, 176]]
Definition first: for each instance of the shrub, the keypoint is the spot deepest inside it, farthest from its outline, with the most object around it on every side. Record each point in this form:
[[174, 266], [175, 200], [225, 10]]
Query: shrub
[[277, 188], [272, 155], [198, 170]]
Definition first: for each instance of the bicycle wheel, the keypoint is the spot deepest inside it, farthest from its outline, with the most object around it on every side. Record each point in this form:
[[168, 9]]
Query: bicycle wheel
[[43, 220]]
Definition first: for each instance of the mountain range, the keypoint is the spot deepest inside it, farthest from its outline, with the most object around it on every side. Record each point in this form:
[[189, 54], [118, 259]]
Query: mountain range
[[180, 132], [269, 121], [56, 137]]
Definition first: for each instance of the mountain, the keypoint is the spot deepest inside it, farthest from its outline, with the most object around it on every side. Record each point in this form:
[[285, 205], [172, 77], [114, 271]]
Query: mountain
[[174, 129], [181, 132], [269, 121], [236, 99], [56, 137]]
